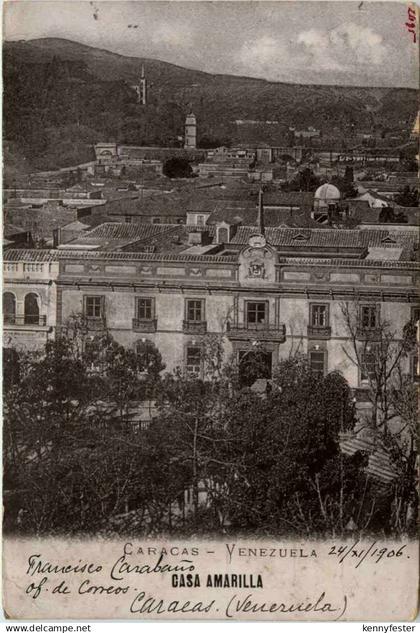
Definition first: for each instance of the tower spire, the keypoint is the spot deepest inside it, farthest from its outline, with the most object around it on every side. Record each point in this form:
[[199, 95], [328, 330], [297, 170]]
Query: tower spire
[[260, 216], [143, 87]]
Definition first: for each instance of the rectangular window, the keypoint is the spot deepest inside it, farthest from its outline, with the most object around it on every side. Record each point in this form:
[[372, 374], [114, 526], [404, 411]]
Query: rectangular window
[[195, 310], [319, 315], [415, 315], [256, 313], [317, 362], [94, 307], [155, 220], [193, 361], [368, 366], [200, 220], [369, 317], [145, 308]]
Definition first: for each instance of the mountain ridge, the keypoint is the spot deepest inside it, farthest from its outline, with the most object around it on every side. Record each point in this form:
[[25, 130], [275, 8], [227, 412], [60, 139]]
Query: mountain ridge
[[138, 59], [61, 96]]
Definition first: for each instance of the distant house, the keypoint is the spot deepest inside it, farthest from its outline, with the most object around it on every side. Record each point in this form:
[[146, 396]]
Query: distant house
[[43, 219], [158, 209], [16, 237], [117, 236], [375, 199], [295, 201]]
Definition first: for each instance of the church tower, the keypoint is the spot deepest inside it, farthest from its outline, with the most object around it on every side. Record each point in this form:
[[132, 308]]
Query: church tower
[[190, 140]]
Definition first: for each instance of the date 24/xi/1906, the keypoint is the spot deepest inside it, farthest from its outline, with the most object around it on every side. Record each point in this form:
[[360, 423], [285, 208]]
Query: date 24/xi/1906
[[359, 554]]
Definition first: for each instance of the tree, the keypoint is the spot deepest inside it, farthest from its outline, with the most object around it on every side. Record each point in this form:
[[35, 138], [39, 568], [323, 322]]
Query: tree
[[127, 376], [345, 186], [265, 463], [58, 434], [44, 410], [177, 168], [382, 356], [289, 474], [304, 180], [408, 197]]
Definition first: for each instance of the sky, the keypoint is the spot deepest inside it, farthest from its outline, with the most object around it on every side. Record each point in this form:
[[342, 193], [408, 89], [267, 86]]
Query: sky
[[345, 43]]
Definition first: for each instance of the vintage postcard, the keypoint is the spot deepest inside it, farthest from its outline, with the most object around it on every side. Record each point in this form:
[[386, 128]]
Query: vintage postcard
[[210, 310]]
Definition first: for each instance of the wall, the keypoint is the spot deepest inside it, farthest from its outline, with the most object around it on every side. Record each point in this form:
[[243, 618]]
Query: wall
[[223, 284], [120, 307]]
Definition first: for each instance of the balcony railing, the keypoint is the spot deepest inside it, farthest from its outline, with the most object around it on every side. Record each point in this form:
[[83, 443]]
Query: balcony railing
[[368, 334], [95, 323], [27, 319], [194, 327], [258, 331], [144, 325], [319, 331]]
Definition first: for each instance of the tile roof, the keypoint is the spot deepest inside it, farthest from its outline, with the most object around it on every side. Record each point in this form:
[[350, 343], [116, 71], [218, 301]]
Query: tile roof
[[75, 226], [34, 255], [128, 230], [30, 255], [289, 198], [12, 229], [118, 235], [380, 464], [158, 204], [326, 237], [385, 253], [383, 237], [379, 196], [340, 238], [155, 257], [272, 217]]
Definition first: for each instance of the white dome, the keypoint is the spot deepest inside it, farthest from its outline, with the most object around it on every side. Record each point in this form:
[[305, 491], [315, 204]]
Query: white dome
[[327, 192]]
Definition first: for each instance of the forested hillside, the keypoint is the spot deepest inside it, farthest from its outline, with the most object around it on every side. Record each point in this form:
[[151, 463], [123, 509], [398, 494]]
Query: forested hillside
[[62, 96]]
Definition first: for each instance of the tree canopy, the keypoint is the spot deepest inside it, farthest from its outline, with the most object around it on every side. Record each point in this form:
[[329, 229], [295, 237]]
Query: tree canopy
[[214, 456]]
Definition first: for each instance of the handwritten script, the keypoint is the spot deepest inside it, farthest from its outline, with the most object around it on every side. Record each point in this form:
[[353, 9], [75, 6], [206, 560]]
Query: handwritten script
[[171, 582]]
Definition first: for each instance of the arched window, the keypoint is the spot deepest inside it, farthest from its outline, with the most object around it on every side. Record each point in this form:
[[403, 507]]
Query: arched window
[[31, 309], [9, 307]]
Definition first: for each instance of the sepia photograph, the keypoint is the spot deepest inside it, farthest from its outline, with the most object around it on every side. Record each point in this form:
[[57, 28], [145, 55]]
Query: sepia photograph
[[211, 271]]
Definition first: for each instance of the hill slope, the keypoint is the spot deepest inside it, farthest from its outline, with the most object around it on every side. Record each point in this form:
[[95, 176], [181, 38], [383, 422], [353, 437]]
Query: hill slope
[[60, 96]]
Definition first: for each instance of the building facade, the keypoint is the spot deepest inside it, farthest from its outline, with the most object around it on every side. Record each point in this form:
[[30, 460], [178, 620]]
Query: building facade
[[252, 300]]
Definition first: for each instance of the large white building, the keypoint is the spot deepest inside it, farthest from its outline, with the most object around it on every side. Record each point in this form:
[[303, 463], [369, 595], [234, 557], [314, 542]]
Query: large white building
[[282, 293]]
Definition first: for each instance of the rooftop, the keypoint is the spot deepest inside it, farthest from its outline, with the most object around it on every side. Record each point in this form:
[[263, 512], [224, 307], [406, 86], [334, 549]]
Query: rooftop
[[117, 235], [309, 237], [35, 255]]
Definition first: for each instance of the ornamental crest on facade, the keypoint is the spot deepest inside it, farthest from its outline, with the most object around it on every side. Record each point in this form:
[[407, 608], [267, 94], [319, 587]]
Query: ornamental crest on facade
[[256, 269]]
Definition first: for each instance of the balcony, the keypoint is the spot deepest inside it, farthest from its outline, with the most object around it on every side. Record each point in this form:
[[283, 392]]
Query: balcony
[[20, 320], [368, 334], [319, 331], [144, 325], [260, 332], [194, 327]]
